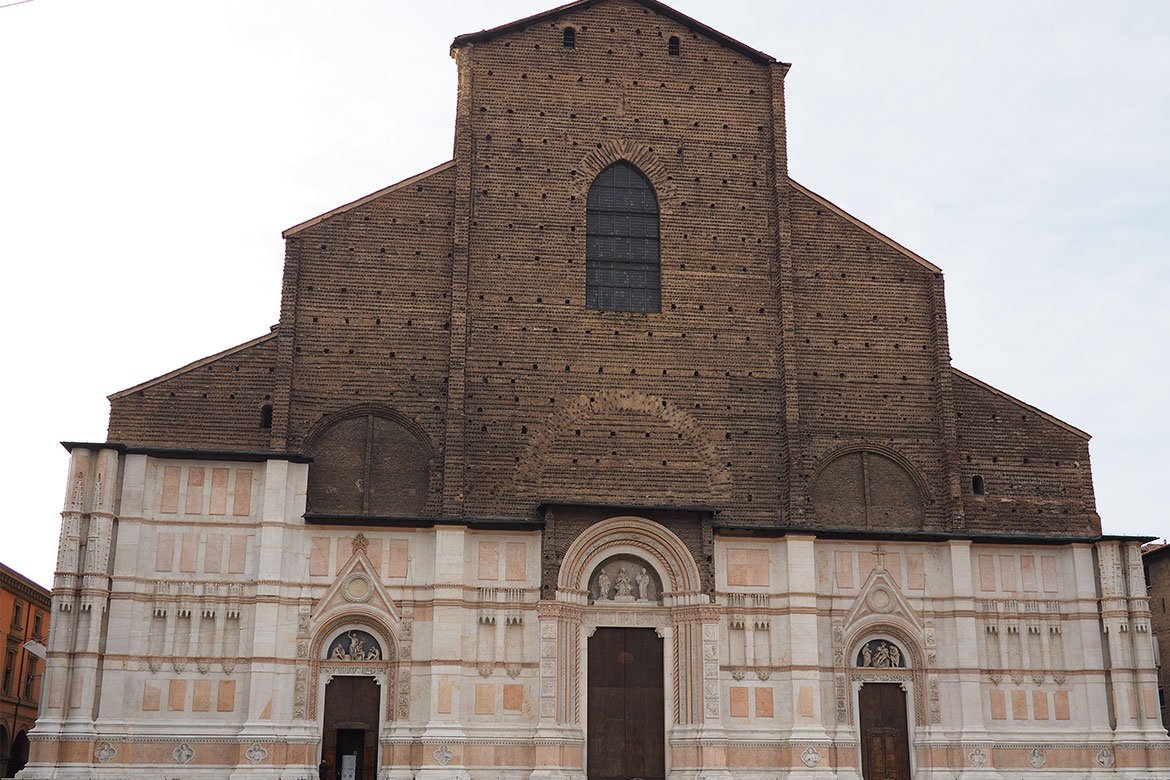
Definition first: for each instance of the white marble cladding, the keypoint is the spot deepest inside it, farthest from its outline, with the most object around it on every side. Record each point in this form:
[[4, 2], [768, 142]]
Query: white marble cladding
[[194, 607]]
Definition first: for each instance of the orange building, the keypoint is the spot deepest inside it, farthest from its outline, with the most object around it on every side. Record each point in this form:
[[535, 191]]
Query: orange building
[[24, 618]]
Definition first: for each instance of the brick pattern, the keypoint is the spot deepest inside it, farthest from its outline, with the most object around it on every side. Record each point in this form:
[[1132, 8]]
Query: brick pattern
[[215, 406], [788, 335], [1036, 474]]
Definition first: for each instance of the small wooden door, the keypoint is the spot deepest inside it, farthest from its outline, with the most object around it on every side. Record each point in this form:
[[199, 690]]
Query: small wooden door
[[627, 731], [885, 746]]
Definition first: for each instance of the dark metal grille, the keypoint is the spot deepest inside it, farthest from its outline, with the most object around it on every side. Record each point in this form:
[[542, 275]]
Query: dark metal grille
[[622, 267]]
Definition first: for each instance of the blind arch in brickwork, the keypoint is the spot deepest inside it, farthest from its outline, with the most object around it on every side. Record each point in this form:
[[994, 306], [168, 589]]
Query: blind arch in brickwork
[[369, 460]]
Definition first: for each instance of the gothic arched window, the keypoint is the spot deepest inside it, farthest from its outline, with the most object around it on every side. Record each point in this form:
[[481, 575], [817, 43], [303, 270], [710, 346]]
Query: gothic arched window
[[621, 263]]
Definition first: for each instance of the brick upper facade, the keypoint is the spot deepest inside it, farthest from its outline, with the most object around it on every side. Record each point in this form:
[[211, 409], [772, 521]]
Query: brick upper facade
[[798, 372]]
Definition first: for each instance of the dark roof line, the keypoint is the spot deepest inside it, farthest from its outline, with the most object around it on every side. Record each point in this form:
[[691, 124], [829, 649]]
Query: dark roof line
[[169, 453], [653, 5]]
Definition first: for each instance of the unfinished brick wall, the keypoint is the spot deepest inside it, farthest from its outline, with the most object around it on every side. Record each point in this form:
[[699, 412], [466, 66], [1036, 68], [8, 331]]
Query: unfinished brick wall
[[790, 334], [213, 404], [545, 121], [865, 345], [1035, 469]]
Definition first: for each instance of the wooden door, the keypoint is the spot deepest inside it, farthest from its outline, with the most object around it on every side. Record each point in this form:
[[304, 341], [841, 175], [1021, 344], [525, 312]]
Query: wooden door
[[627, 731], [351, 726], [885, 746]]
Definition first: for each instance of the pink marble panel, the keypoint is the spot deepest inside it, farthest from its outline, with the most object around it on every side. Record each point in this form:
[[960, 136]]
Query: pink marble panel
[[242, 498], [219, 491], [170, 489], [1048, 574], [748, 567], [399, 557], [843, 566], [915, 572], [225, 700], [986, 572], [515, 568], [319, 556], [1028, 573], [238, 554], [489, 561], [151, 698], [189, 552], [1007, 572], [213, 554], [196, 477], [164, 552]]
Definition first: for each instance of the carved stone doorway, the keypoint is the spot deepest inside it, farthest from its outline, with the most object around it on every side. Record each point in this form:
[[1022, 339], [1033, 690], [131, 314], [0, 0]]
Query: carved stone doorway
[[350, 735], [626, 725], [885, 746]]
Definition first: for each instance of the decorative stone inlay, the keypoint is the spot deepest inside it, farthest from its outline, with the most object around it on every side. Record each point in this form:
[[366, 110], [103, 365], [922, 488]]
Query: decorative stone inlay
[[360, 543], [443, 754], [106, 752], [811, 756], [256, 753], [1105, 757], [183, 754], [978, 758], [1036, 757], [357, 587]]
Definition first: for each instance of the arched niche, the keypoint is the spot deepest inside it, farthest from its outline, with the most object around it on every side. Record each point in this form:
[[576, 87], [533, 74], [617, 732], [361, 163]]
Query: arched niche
[[625, 579], [355, 645], [639, 539], [369, 460], [881, 653], [864, 487]]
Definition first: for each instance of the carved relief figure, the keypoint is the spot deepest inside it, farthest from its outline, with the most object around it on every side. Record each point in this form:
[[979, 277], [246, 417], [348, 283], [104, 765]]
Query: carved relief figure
[[355, 646], [880, 654], [643, 585]]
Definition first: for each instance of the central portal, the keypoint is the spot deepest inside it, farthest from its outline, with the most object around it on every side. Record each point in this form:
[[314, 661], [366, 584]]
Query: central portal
[[350, 738], [627, 730]]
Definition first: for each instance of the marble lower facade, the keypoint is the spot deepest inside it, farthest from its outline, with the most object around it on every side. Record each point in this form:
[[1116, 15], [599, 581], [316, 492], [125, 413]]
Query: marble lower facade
[[203, 629]]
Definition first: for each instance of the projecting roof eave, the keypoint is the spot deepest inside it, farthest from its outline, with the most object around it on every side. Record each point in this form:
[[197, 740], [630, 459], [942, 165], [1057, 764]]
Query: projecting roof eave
[[308, 223], [833, 207], [690, 23], [192, 366], [1054, 420]]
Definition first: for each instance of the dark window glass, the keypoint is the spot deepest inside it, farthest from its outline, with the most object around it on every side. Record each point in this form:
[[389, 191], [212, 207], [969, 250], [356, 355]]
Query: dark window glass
[[977, 485], [9, 662], [31, 678], [570, 38], [37, 620], [674, 46], [621, 268], [266, 416], [17, 613]]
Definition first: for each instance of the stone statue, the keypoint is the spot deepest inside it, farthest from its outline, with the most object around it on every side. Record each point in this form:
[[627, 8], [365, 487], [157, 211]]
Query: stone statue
[[866, 656], [895, 656], [881, 659], [643, 585], [339, 653], [356, 647], [603, 587], [625, 588]]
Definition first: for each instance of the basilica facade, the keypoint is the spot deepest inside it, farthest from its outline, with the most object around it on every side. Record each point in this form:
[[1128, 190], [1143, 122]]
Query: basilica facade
[[603, 450]]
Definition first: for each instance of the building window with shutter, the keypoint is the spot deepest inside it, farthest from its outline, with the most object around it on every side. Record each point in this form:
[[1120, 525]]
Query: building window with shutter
[[622, 271]]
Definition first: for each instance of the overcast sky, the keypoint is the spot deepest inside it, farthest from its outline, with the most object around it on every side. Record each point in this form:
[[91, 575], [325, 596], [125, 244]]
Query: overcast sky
[[151, 153]]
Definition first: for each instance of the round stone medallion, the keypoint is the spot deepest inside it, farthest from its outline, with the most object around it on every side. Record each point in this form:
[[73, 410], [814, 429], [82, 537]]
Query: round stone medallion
[[357, 587], [880, 600]]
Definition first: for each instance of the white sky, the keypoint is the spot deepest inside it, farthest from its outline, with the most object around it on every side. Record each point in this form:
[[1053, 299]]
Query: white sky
[[151, 153]]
